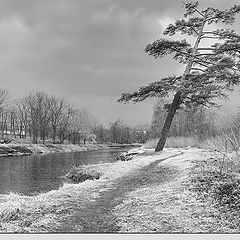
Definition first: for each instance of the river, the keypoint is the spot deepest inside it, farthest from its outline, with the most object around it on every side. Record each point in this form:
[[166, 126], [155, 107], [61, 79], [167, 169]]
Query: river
[[41, 173]]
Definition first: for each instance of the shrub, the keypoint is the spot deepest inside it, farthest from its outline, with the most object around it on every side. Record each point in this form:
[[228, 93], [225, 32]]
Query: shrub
[[77, 175]]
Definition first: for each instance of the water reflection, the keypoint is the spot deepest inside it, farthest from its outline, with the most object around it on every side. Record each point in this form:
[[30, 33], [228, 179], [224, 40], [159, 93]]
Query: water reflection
[[41, 173]]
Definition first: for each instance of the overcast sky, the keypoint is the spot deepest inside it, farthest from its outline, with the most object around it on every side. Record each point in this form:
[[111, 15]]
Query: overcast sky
[[88, 51]]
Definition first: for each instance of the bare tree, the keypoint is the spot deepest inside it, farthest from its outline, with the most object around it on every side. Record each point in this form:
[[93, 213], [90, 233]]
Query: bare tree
[[82, 125], [39, 106], [23, 111], [58, 107], [64, 123], [4, 96]]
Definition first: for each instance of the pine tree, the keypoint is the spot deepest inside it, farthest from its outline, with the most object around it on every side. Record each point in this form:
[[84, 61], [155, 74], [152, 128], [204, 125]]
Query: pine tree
[[210, 72]]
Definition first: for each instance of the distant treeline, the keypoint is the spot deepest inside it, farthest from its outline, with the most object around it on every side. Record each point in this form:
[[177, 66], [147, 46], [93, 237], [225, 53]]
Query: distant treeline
[[40, 117], [197, 121], [201, 122], [118, 132]]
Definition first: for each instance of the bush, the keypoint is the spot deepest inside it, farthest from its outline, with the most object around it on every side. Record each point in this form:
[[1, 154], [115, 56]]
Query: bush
[[78, 175], [223, 188], [227, 192]]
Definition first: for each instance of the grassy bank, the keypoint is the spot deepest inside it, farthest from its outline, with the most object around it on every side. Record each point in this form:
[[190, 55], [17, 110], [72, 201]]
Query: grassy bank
[[15, 149], [217, 181], [45, 212], [221, 142], [175, 142], [178, 190], [195, 199]]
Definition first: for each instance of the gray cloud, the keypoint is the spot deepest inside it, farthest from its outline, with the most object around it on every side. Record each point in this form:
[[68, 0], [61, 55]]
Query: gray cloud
[[88, 51]]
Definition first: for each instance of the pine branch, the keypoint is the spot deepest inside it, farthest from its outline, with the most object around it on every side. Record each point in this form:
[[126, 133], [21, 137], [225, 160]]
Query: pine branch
[[207, 32], [156, 89], [197, 69], [162, 47], [202, 62], [194, 29], [198, 11], [207, 75], [206, 49], [191, 8], [206, 37], [226, 16], [190, 26], [206, 54]]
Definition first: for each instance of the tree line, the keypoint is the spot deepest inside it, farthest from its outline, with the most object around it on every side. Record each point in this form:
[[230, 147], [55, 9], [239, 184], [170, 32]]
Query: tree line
[[200, 122], [119, 132], [40, 117]]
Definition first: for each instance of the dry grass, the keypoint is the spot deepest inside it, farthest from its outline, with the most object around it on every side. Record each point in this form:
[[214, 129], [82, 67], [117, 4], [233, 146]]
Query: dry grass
[[175, 142], [217, 181], [221, 142]]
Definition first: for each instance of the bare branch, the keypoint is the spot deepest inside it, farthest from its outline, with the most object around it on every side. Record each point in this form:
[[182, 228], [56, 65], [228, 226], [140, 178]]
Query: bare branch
[[202, 64], [198, 12]]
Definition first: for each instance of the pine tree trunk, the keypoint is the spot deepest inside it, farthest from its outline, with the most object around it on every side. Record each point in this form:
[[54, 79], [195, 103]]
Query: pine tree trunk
[[177, 98], [172, 110]]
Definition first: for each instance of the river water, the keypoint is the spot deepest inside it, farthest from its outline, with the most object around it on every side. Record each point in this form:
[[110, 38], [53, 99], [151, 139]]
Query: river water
[[41, 173]]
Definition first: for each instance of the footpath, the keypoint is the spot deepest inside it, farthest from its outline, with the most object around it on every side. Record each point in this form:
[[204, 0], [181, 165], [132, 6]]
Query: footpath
[[152, 193]]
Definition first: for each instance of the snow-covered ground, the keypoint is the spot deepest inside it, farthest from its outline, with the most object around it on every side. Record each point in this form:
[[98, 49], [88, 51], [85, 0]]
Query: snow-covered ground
[[27, 149], [150, 193]]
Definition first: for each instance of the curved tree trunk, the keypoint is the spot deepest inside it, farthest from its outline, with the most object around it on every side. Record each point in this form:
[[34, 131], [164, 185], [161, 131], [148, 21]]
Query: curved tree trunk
[[177, 97], [167, 124]]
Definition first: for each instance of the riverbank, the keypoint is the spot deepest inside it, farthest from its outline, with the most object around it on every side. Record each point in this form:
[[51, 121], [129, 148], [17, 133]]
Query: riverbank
[[47, 212], [153, 192], [16, 149]]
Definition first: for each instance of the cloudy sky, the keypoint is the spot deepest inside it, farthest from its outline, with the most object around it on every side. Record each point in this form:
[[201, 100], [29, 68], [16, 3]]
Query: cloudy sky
[[88, 51]]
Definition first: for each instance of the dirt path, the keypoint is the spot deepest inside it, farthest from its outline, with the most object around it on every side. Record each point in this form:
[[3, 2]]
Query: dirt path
[[97, 216]]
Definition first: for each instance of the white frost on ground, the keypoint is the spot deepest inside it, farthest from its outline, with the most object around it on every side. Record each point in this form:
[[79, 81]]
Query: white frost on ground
[[135, 214], [169, 206], [18, 148], [46, 209]]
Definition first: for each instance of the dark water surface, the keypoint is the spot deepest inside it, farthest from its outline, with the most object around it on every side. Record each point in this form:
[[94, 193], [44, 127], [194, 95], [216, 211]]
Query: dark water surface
[[41, 173]]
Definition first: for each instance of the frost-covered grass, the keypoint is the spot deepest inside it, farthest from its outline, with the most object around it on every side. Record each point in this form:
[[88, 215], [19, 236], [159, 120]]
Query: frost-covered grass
[[221, 142], [47, 211], [44, 212], [26, 148], [174, 195], [175, 205], [217, 180], [175, 142]]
